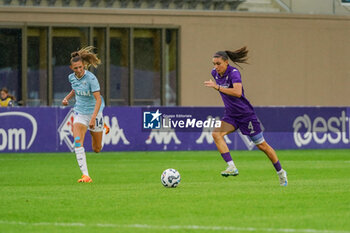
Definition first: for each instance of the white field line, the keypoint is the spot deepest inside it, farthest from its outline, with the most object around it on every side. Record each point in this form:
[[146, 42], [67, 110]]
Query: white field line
[[171, 227]]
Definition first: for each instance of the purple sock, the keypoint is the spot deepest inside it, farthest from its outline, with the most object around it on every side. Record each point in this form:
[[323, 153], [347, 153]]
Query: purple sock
[[277, 166], [227, 157]]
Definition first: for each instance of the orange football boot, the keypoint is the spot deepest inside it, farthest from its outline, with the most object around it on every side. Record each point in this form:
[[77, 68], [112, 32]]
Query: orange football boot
[[107, 128], [85, 179]]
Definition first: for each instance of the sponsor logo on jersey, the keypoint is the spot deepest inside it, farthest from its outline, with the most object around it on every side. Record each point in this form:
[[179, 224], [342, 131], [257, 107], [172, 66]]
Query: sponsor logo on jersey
[[83, 93]]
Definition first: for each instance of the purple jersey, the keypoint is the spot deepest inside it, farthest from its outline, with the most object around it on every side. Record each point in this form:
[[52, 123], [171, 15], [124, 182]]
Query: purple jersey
[[238, 111], [234, 107]]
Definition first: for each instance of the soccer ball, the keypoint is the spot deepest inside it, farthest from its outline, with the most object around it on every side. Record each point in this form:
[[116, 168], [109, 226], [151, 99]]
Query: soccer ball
[[170, 178]]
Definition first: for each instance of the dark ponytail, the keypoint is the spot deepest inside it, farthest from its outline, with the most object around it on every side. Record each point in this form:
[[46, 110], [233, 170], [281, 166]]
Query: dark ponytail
[[238, 56]]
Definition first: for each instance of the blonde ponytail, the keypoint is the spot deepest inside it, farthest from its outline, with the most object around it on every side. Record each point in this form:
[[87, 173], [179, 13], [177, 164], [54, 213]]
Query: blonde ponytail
[[87, 56]]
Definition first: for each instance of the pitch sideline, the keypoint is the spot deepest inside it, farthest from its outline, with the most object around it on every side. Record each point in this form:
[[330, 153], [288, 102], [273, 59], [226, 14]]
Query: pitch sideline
[[171, 227]]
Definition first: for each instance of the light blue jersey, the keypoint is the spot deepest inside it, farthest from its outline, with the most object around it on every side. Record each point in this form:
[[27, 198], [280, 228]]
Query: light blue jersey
[[84, 89]]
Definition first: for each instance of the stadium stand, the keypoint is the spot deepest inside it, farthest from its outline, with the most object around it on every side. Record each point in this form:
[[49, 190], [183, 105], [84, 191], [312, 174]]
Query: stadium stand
[[227, 5], [267, 6], [340, 7]]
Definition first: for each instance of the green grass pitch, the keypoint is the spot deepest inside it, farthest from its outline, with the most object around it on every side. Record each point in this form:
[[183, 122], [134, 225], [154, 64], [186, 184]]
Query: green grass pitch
[[39, 193]]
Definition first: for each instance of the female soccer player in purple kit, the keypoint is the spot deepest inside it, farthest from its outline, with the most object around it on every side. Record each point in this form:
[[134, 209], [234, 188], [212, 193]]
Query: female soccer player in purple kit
[[239, 113]]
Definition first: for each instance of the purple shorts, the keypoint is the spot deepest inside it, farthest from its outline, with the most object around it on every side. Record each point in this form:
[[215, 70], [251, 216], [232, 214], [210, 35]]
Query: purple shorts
[[249, 125]]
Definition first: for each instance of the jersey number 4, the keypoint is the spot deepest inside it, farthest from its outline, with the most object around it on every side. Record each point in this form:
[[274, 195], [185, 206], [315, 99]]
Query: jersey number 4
[[251, 127]]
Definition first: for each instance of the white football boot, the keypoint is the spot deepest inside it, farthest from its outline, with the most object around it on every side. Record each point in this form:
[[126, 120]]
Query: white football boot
[[230, 171], [282, 175]]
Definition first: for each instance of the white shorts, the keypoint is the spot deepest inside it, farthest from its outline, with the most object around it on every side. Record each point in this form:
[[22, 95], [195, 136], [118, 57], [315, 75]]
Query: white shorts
[[85, 119]]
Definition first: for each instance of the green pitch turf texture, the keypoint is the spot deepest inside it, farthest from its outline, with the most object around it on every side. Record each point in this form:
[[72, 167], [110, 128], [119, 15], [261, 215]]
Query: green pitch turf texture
[[39, 193]]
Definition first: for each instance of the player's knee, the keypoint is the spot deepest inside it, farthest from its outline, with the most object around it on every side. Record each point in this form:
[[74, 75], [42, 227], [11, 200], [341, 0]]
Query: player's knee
[[216, 135]]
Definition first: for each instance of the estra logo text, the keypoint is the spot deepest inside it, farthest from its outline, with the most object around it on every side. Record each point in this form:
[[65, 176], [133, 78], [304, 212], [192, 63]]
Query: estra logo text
[[333, 130]]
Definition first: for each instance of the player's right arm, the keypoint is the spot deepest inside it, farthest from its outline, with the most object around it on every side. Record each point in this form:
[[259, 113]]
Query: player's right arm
[[235, 91], [66, 99]]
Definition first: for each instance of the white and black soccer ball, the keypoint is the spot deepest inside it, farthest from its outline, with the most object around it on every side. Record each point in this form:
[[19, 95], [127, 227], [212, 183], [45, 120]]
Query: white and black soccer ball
[[170, 178]]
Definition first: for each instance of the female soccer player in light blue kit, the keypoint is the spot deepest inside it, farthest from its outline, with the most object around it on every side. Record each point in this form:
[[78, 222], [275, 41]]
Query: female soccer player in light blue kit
[[88, 106], [239, 113]]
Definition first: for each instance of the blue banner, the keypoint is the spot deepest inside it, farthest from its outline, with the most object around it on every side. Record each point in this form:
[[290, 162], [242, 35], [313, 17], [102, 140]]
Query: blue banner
[[49, 129]]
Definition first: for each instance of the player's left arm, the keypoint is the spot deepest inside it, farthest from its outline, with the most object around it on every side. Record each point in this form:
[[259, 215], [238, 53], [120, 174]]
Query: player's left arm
[[98, 99]]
